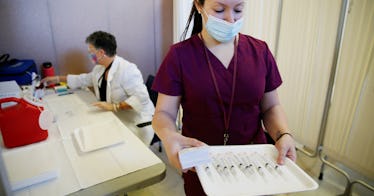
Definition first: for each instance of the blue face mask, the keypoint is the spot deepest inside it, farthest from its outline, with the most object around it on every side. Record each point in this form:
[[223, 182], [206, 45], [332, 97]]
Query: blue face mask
[[93, 58], [222, 30]]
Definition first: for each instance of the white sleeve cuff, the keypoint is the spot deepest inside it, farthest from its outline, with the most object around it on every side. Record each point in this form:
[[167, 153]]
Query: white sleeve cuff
[[135, 103]]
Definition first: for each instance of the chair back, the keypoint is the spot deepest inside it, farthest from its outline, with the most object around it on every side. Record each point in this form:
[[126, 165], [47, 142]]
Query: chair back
[[152, 94]]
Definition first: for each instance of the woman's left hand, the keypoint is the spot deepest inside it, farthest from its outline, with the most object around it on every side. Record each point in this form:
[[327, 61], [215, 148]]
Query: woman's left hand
[[286, 148], [104, 105]]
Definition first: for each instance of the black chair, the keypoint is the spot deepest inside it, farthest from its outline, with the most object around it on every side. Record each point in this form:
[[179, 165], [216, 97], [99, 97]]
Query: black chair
[[153, 96]]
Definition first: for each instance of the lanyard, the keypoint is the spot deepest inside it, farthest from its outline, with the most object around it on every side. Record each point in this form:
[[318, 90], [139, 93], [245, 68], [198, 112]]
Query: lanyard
[[226, 117]]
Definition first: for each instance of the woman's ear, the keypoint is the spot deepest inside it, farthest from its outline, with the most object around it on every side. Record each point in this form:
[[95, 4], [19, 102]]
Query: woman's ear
[[102, 52], [197, 6]]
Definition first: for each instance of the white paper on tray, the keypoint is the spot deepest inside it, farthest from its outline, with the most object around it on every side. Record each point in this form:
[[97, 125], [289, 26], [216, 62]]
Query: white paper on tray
[[251, 170], [98, 135], [191, 157]]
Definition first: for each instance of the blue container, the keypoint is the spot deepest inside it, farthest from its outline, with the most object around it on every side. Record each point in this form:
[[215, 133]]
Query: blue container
[[18, 70]]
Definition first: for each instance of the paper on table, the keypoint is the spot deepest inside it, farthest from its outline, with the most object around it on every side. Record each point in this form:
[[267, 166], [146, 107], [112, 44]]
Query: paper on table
[[115, 161], [49, 155], [98, 135], [100, 165], [39, 178], [31, 165], [72, 106], [67, 126]]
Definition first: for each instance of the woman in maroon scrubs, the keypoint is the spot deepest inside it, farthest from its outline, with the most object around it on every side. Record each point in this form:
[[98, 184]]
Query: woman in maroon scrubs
[[226, 83]]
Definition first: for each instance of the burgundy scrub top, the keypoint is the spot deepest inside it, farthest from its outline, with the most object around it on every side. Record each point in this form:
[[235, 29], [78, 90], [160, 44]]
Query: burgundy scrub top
[[185, 72]]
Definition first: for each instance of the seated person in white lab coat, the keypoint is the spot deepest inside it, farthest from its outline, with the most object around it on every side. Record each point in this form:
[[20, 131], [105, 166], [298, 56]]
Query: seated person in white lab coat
[[117, 83]]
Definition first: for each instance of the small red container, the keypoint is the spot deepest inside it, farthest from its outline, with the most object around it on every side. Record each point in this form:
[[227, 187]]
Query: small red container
[[20, 123], [47, 69]]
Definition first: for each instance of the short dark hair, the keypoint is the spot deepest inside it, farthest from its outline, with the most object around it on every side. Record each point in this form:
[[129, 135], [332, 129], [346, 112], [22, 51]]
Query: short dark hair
[[103, 40]]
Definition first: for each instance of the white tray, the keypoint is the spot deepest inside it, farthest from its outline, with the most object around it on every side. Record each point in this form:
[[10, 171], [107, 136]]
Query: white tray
[[251, 170]]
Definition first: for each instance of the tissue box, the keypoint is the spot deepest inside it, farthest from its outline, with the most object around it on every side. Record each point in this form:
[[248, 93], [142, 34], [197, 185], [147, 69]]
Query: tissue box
[[9, 89]]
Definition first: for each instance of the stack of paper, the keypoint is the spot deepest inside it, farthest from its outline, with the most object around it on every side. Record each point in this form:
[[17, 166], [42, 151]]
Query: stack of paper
[[30, 165], [98, 135], [9, 89]]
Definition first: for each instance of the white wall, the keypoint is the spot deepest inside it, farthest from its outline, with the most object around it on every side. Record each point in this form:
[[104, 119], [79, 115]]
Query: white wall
[[55, 30], [305, 59], [350, 136]]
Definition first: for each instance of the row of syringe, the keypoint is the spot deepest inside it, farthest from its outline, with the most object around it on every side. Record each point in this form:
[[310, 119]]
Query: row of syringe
[[249, 164]]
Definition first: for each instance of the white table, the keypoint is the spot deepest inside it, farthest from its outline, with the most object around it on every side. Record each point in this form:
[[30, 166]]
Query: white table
[[111, 170]]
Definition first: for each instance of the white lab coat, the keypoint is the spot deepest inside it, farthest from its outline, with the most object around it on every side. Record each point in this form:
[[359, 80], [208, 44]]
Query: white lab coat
[[124, 83]]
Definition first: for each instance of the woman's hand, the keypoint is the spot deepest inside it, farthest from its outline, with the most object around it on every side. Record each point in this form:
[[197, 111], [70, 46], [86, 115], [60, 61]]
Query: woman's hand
[[50, 80], [175, 143], [286, 148], [104, 105], [275, 120]]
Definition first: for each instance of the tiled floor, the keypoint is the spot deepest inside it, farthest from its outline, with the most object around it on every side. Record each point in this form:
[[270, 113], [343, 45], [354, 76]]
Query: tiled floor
[[172, 185]]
